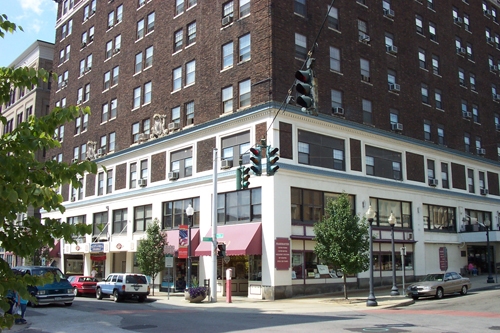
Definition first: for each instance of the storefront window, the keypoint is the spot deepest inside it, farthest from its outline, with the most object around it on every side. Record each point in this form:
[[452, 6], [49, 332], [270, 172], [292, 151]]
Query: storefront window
[[255, 267], [383, 261]]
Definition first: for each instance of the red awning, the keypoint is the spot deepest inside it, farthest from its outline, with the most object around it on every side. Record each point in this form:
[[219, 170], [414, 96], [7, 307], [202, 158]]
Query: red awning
[[98, 257], [55, 252], [173, 239], [240, 239]]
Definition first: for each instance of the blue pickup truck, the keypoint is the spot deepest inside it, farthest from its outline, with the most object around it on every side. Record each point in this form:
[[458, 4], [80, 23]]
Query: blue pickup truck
[[122, 286]]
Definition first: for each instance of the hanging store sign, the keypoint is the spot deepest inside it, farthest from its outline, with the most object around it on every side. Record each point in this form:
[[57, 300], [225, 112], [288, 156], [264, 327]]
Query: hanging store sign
[[96, 247]]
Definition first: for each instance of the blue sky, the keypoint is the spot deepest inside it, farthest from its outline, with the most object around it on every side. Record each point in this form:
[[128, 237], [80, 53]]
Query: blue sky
[[38, 19]]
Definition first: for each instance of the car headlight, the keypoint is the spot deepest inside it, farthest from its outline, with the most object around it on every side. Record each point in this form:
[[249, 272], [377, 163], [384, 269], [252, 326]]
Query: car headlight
[[41, 292], [69, 291], [426, 288]]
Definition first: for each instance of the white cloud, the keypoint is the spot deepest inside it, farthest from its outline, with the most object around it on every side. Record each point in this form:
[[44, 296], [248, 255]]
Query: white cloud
[[36, 26], [33, 5]]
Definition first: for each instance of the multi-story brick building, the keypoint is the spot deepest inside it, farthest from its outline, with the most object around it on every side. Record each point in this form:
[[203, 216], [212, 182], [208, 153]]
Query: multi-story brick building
[[407, 122], [24, 103]]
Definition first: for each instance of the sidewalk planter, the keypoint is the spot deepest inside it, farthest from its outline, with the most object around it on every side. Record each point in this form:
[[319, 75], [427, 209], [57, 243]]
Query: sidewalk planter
[[195, 294]]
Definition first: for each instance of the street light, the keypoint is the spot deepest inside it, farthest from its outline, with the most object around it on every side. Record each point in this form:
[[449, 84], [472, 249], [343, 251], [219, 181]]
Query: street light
[[394, 290], [370, 215], [189, 213], [487, 224]]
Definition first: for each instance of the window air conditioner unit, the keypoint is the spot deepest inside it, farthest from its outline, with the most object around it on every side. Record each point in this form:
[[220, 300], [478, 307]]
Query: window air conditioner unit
[[364, 38], [467, 114], [173, 175], [365, 78], [394, 87], [493, 68], [483, 191], [458, 20], [487, 12], [173, 126], [489, 40], [497, 126], [88, 68], [84, 44], [496, 97], [226, 20], [389, 13], [481, 151], [226, 164], [142, 182], [143, 137], [398, 127], [101, 151], [392, 49], [461, 50], [75, 160], [433, 182], [116, 50], [338, 111]]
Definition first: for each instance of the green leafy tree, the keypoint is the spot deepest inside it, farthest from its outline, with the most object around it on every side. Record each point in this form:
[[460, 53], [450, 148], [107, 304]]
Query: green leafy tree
[[342, 239], [27, 181], [151, 251]]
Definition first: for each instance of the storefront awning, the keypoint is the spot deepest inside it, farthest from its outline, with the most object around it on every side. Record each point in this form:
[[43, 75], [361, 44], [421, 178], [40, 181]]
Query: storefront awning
[[173, 239], [240, 239]]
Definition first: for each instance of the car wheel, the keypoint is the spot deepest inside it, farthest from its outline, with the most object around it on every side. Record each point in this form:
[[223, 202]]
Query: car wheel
[[439, 293], [98, 293], [142, 299], [464, 290], [116, 296], [75, 291], [415, 297], [68, 304]]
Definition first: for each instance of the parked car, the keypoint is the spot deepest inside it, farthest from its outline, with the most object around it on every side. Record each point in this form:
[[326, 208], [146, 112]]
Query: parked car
[[122, 286], [83, 284], [438, 285], [58, 291]]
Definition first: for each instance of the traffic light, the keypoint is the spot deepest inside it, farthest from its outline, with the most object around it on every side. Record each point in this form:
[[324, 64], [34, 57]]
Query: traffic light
[[245, 176], [272, 158], [305, 87], [221, 250], [256, 158]]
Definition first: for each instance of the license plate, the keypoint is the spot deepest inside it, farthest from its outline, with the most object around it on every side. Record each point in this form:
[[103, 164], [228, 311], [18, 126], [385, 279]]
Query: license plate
[[57, 298]]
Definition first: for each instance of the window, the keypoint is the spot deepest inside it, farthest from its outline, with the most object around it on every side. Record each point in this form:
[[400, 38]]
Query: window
[[181, 162], [148, 62], [470, 180], [119, 14], [227, 99], [109, 49], [482, 183], [418, 24], [235, 147], [467, 142], [365, 69], [120, 221], [475, 113], [140, 127], [191, 33], [112, 141], [228, 9], [300, 7], [401, 210], [138, 63], [147, 92], [177, 79], [431, 169], [100, 183], [100, 225], [333, 18], [144, 169], [425, 93], [133, 174], [113, 108], [427, 130], [227, 55], [178, 35], [466, 22], [179, 7], [111, 19], [421, 58], [87, 92], [239, 206], [245, 93], [367, 111], [190, 72], [393, 116], [439, 218], [444, 175], [391, 77], [104, 113], [143, 217], [461, 77], [435, 64], [432, 32], [140, 29], [336, 97], [174, 213], [176, 115], [244, 44], [334, 59], [363, 31], [245, 8], [478, 144], [383, 163], [151, 23], [137, 98], [469, 51], [437, 99], [320, 150], [107, 80], [189, 107]]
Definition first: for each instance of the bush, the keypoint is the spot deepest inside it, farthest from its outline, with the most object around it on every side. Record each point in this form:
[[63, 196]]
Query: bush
[[197, 291]]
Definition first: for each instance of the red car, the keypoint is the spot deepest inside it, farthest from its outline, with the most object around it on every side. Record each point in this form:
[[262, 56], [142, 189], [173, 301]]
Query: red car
[[83, 284]]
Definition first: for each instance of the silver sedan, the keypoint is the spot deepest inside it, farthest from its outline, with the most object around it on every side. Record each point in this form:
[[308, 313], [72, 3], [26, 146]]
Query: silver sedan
[[438, 285]]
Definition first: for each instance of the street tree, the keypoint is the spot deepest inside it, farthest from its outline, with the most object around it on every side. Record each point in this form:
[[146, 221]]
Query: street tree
[[342, 239], [29, 182], [151, 251]]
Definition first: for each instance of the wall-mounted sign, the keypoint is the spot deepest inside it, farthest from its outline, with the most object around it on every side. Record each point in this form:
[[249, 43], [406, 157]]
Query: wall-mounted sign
[[96, 247], [282, 253]]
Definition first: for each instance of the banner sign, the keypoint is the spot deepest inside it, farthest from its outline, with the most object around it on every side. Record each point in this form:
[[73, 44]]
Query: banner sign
[[282, 253], [183, 241]]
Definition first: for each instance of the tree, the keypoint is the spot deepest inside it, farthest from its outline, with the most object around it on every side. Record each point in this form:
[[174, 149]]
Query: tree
[[151, 251], [29, 182], [342, 240]]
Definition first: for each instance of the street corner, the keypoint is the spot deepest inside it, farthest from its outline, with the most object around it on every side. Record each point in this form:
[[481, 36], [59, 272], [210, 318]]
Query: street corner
[[358, 302]]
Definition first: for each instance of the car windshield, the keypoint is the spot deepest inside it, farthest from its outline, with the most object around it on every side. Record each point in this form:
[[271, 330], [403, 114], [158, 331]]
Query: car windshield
[[136, 279], [42, 271], [434, 277]]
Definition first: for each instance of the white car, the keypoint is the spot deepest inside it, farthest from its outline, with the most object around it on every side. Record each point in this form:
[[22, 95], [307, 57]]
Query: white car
[[122, 286]]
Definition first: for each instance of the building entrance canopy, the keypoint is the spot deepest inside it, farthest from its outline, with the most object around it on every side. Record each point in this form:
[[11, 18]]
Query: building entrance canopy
[[240, 239]]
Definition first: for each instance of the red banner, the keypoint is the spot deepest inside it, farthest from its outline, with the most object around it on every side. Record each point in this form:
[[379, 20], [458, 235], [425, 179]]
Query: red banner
[[183, 241]]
